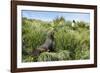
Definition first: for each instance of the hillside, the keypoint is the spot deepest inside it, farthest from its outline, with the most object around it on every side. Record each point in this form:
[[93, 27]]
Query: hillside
[[71, 42]]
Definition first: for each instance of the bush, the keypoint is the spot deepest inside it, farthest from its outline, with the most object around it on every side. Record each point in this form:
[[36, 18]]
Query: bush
[[63, 55], [70, 44], [46, 56], [49, 56]]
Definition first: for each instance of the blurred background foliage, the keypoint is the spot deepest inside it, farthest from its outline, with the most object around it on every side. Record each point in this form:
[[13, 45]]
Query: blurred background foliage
[[71, 43]]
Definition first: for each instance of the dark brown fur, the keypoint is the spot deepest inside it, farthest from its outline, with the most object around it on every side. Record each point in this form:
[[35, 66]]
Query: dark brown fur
[[47, 46]]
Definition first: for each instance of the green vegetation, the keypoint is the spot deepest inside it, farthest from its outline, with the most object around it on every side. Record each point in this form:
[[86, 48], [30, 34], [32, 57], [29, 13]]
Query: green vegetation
[[71, 43]]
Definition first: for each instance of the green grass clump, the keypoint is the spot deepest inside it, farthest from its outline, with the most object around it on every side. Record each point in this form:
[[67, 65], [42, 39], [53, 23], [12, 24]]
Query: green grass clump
[[47, 56], [71, 43]]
